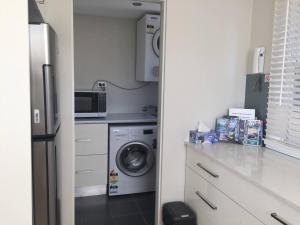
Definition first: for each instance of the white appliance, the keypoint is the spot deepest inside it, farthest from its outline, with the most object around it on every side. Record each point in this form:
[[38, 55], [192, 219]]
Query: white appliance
[[258, 60], [148, 41], [132, 153]]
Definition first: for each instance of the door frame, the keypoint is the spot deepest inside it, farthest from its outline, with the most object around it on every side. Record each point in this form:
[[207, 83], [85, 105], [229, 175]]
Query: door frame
[[160, 122], [161, 94]]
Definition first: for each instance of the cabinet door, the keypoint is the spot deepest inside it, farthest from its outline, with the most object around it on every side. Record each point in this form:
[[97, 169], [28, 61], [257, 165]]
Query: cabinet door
[[248, 219], [91, 139], [90, 170], [211, 205], [203, 215]]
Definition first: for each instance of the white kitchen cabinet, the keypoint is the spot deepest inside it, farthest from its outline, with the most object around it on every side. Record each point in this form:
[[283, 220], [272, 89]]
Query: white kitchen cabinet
[[91, 157], [247, 219], [90, 170], [91, 139], [235, 180], [205, 214], [211, 205]]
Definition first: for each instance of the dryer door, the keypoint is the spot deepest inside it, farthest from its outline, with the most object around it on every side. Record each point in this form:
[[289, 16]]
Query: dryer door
[[135, 159], [156, 42]]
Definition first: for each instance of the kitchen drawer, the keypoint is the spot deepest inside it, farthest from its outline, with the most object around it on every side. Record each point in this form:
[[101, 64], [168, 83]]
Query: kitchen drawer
[[257, 200], [204, 166], [91, 139], [247, 219], [90, 170], [211, 206]]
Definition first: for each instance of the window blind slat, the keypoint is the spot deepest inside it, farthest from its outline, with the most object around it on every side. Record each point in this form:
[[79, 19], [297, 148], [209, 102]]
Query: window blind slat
[[283, 118]]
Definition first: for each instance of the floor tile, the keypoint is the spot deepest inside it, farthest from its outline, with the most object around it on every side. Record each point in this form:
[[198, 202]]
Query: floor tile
[[122, 206], [97, 220], [134, 219], [149, 217], [146, 202], [137, 209]]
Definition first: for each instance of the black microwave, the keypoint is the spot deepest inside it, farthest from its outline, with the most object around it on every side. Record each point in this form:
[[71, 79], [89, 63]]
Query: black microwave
[[90, 104]]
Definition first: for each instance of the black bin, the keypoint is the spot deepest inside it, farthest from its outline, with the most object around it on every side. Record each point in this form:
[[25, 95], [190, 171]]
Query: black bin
[[178, 213]]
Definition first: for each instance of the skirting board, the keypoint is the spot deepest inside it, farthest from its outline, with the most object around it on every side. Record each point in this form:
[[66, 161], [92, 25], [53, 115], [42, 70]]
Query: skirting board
[[90, 190]]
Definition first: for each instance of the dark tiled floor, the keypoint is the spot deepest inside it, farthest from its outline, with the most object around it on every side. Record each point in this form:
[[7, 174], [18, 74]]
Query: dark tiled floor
[[135, 209]]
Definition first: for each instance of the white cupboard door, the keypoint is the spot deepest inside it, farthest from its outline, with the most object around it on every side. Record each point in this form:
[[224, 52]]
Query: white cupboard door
[[211, 206], [203, 212], [248, 219], [90, 170], [91, 139]]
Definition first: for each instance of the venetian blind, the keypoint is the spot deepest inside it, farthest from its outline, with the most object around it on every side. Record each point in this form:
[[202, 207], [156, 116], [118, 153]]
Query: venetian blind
[[283, 120]]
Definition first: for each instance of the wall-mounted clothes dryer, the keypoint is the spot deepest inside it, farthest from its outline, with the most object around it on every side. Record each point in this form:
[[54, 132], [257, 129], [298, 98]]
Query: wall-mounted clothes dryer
[[148, 41]]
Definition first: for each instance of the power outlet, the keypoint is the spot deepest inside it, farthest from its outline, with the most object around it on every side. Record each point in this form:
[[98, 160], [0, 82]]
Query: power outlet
[[101, 85]]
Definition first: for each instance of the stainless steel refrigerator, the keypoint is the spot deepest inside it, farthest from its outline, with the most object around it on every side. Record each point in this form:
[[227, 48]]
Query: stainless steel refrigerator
[[45, 123]]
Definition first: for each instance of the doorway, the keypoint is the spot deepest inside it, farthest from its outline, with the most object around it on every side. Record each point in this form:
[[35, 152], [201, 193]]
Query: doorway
[[110, 50]]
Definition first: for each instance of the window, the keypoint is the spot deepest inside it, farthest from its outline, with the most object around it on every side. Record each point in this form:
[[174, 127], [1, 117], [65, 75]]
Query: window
[[283, 123]]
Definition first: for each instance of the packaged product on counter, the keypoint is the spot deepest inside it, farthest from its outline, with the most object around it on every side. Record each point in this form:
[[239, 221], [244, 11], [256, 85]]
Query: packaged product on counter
[[253, 133], [211, 138], [197, 137], [241, 131], [227, 128]]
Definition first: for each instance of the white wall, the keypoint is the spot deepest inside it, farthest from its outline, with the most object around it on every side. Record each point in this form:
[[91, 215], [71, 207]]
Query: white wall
[[59, 14], [15, 129], [262, 29], [207, 44], [105, 49]]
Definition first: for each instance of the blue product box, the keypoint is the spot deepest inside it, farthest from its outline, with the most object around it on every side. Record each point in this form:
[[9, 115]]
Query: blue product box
[[196, 137], [227, 128], [253, 133], [211, 138]]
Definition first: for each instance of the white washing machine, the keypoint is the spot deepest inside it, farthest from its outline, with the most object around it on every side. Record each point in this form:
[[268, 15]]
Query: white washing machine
[[148, 39], [132, 156]]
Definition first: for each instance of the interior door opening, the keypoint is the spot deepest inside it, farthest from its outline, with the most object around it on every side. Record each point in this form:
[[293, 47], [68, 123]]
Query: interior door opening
[[117, 48]]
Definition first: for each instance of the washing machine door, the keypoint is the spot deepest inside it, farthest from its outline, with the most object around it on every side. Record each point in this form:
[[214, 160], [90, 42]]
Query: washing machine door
[[135, 159], [156, 42]]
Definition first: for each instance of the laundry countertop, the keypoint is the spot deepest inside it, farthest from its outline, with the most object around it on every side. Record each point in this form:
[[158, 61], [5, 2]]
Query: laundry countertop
[[114, 118]]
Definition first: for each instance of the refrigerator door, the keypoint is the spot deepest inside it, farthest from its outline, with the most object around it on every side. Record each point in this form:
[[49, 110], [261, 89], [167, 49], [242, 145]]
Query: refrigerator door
[[44, 182], [42, 77]]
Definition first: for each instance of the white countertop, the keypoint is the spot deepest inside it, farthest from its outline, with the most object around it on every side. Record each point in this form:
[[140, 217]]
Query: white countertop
[[274, 172], [120, 118]]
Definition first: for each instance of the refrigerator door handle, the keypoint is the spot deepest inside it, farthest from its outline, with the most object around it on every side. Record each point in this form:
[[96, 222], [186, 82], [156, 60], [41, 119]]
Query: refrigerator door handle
[[50, 101]]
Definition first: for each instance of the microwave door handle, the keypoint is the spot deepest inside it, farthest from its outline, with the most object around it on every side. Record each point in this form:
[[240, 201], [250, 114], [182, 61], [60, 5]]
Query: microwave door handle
[[49, 98]]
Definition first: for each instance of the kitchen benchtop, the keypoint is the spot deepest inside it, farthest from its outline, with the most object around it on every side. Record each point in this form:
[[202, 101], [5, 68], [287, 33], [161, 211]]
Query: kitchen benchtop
[[274, 172], [120, 118]]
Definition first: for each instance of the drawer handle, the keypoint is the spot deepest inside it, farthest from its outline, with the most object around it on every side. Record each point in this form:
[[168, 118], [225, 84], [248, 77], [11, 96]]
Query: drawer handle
[[280, 220], [211, 205], [207, 170], [83, 140], [84, 171]]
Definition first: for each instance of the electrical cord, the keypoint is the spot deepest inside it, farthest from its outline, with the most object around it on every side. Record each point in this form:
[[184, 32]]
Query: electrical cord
[[120, 87]]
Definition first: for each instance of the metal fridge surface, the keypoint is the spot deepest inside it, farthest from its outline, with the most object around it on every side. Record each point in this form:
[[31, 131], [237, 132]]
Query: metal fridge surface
[[44, 123], [44, 182], [42, 80]]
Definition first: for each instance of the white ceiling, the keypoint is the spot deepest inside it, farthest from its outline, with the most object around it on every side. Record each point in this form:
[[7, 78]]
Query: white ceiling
[[114, 8]]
